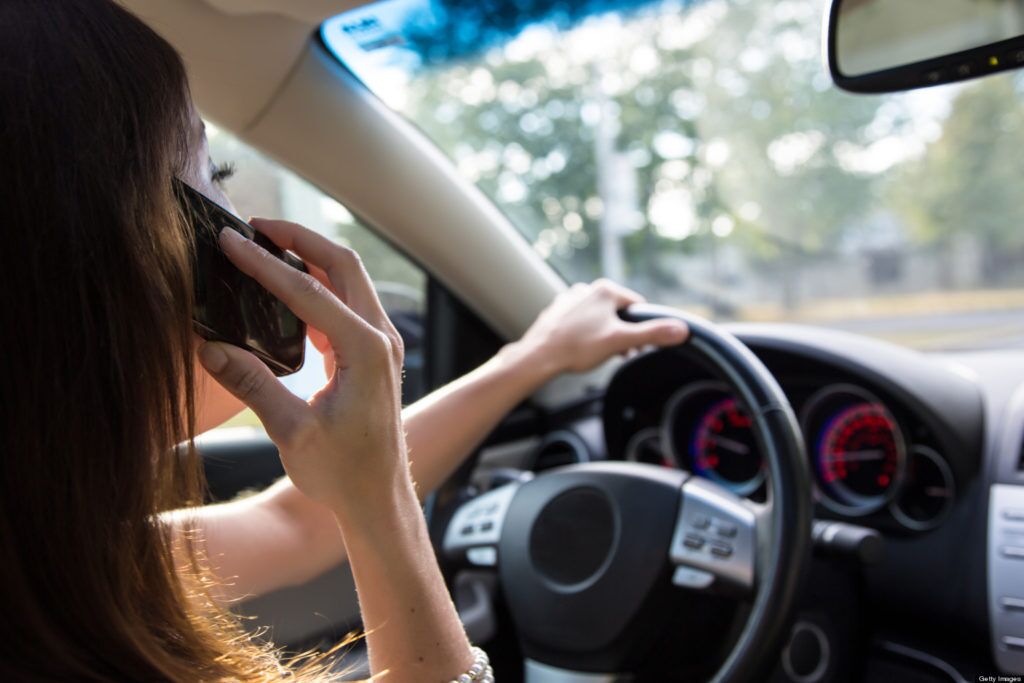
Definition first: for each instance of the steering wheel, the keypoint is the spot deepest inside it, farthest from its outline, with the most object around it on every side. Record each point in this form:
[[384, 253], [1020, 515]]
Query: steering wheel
[[589, 556]]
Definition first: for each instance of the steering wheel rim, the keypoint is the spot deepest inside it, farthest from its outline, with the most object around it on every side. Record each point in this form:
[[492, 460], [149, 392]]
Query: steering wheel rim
[[790, 506], [783, 541]]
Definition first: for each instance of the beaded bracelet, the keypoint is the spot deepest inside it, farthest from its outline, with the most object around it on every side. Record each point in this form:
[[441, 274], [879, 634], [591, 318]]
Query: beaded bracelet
[[480, 671]]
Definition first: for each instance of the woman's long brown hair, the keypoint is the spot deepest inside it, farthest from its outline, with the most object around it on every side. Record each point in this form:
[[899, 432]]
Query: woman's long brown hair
[[96, 374]]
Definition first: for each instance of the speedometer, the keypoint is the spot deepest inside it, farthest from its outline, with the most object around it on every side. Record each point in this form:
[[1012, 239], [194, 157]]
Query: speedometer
[[858, 449], [723, 448], [708, 431], [859, 453]]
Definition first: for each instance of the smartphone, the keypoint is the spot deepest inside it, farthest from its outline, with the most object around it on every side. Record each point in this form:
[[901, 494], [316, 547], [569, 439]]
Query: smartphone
[[230, 306]]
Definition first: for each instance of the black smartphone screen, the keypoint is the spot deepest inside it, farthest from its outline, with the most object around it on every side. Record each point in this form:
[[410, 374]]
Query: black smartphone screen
[[232, 307]]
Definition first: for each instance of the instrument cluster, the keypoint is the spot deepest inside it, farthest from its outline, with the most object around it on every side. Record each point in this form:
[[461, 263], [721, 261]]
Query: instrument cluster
[[861, 458]]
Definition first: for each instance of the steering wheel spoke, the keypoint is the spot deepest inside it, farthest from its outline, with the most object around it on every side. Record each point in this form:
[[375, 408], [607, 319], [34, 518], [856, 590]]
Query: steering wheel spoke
[[475, 528], [715, 542]]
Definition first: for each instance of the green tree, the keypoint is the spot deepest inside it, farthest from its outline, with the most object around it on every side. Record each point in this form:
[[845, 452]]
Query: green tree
[[740, 116], [969, 179]]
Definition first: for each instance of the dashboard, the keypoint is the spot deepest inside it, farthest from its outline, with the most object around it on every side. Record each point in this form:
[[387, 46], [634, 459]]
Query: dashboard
[[926, 449], [874, 458], [914, 446]]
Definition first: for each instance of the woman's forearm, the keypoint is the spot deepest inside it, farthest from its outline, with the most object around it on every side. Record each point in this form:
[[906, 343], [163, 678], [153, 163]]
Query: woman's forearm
[[413, 631], [271, 540], [281, 538], [443, 428]]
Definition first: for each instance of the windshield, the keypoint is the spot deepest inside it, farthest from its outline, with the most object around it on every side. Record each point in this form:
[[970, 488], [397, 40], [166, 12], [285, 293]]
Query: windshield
[[699, 153]]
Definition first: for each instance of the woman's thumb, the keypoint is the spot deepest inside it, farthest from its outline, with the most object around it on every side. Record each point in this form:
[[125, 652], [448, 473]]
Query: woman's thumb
[[659, 332], [252, 382]]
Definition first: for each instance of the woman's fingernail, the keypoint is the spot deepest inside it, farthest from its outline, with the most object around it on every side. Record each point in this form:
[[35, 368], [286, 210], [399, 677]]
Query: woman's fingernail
[[676, 333], [213, 357], [230, 235]]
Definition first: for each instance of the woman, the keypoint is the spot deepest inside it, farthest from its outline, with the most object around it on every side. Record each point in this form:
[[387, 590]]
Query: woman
[[108, 571]]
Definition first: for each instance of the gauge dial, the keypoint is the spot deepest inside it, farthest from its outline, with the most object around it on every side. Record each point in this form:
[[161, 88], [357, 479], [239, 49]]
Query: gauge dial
[[645, 446], [723, 448], [707, 429], [928, 492], [859, 454]]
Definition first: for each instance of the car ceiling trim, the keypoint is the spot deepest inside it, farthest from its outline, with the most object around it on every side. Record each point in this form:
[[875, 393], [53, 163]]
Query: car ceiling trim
[[387, 172], [236, 64]]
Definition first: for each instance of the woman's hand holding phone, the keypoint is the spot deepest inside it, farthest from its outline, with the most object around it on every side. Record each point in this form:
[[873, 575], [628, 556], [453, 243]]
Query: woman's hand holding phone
[[345, 447]]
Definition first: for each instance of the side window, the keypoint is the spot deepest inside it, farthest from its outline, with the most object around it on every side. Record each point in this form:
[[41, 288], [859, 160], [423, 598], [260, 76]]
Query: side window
[[262, 187]]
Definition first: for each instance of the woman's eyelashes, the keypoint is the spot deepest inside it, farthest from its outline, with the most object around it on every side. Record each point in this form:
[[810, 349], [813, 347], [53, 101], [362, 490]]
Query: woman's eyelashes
[[219, 173]]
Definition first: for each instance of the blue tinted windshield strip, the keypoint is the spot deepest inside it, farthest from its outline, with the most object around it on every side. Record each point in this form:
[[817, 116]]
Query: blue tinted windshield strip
[[413, 34]]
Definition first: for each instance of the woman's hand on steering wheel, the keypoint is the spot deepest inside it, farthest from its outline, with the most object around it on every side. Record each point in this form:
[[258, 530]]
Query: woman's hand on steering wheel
[[581, 328]]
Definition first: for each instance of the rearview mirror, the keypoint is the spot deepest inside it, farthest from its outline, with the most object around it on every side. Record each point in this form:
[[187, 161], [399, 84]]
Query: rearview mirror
[[888, 45]]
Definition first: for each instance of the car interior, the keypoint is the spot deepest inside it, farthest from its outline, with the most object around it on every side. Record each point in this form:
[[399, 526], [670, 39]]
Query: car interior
[[825, 486]]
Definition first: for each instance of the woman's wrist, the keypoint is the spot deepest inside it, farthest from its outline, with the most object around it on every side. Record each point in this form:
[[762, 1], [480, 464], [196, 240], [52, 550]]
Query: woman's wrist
[[413, 629], [531, 361], [388, 506]]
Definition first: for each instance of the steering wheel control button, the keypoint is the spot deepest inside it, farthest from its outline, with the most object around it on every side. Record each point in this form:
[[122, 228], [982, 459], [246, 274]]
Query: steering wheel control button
[[687, 577], [1014, 515], [730, 561], [701, 522], [484, 556], [726, 530], [478, 522], [721, 550], [693, 541]]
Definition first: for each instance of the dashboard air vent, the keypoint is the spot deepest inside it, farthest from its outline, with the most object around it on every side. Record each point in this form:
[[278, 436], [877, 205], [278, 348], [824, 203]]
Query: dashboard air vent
[[558, 449]]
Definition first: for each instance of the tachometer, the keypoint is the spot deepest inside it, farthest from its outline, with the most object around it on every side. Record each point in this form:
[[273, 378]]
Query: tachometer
[[707, 427], [858, 448]]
